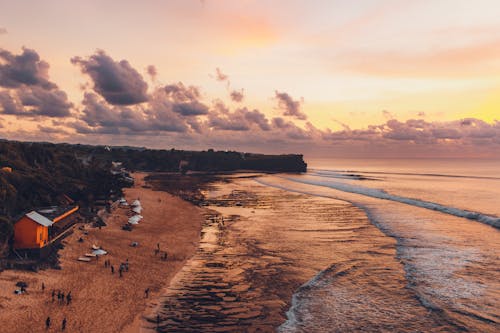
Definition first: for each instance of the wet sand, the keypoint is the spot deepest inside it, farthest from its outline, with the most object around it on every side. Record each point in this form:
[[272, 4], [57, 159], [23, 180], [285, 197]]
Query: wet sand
[[247, 269], [104, 302]]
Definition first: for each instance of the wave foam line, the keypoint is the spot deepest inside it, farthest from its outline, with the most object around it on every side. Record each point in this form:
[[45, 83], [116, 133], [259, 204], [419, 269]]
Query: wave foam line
[[380, 194], [347, 173]]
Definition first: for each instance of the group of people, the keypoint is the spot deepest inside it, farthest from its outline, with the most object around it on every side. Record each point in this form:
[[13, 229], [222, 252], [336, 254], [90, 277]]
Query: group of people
[[48, 323], [61, 297], [124, 266]]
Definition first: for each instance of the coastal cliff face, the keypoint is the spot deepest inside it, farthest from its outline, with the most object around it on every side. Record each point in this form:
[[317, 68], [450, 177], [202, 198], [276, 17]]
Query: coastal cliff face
[[209, 161]]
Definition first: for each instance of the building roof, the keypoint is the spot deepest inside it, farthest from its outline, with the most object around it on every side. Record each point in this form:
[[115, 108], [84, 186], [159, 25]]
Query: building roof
[[54, 212], [40, 219]]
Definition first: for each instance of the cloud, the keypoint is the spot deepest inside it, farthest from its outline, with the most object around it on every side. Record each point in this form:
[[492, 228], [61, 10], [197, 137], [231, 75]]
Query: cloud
[[100, 117], [184, 100], [289, 106], [237, 96], [222, 119], [152, 72], [178, 113], [179, 93], [118, 82], [258, 118], [27, 90], [24, 69], [3, 31], [41, 102]]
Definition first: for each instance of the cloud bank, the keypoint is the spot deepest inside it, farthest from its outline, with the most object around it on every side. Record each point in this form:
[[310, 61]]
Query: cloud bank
[[119, 107]]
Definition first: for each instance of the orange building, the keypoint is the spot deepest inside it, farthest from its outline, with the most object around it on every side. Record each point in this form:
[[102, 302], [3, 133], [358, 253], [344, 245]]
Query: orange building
[[35, 229]]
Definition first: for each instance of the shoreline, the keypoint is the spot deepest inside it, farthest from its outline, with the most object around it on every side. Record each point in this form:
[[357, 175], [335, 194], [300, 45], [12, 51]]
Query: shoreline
[[102, 301]]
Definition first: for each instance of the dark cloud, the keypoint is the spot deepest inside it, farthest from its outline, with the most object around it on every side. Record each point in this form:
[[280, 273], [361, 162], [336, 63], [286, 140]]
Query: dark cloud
[[279, 122], [40, 102], [290, 130], [220, 118], [237, 95], [184, 100], [179, 93], [98, 114], [289, 106], [118, 82], [446, 133], [24, 69], [156, 115], [258, 118], [190, 109], [396, 130], [27, 88], [8, 104]]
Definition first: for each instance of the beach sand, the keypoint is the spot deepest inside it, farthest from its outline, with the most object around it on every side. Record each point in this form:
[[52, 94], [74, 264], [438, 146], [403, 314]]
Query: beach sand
[[104, 302]]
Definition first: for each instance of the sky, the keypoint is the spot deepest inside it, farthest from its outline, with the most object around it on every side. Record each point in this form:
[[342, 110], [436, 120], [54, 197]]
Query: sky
[[325, 78]]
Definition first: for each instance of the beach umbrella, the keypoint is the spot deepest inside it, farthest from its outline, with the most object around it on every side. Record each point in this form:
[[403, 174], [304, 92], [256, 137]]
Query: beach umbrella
[[136, 203], [99, 252]]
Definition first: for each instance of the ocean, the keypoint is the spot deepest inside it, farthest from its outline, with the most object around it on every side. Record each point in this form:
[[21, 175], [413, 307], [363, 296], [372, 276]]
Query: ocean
[[351, 245]]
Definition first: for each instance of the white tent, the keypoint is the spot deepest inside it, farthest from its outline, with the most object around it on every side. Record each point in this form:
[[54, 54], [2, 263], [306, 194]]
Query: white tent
[[99, 252], [137, 209], [135, 219], [136, 203]]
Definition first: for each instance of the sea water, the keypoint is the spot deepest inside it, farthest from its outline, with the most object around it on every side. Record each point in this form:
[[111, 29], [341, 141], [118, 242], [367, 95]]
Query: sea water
[[351, 245], [443, 215]]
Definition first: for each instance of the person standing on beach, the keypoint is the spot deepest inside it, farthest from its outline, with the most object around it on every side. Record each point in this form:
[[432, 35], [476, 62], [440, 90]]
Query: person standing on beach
[[53, 295], [47, 323], [68, 298], [112, 269], [63, 327], [146, 293], [43, 286]]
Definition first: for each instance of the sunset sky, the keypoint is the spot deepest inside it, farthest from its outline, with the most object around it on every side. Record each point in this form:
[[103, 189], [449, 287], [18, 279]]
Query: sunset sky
[[320, 77]]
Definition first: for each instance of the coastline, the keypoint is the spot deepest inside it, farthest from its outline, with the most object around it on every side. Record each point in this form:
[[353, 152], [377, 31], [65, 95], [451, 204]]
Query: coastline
[[255, 270], [102, 301]]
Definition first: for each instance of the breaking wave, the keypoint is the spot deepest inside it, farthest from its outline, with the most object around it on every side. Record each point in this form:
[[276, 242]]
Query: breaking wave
[[381, 194]]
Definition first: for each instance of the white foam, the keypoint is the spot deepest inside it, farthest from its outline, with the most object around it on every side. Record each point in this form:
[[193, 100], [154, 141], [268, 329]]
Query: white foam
[[380, 194]]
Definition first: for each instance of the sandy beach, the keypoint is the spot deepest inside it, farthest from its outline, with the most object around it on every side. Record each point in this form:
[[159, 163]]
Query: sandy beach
[[102, 301]]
